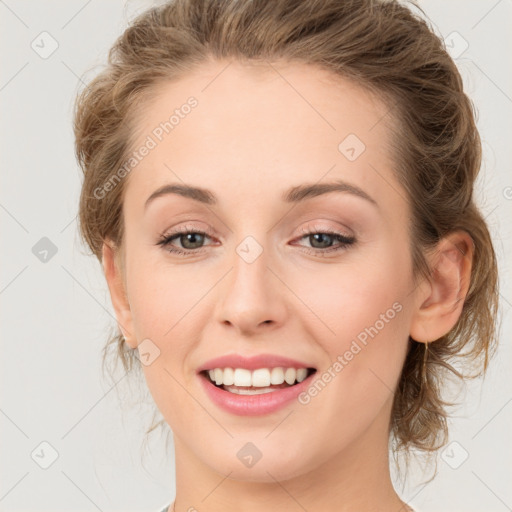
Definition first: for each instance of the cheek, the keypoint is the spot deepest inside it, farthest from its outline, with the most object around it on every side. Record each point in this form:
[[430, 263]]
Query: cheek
[[164, 298], [364, 313], [345, 301]]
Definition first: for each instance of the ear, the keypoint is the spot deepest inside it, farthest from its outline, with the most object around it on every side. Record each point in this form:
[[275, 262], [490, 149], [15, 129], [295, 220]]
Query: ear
[[113, 274], [440, 300]]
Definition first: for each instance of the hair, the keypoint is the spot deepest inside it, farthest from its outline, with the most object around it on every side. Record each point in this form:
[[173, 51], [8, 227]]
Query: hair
[[385, 48]]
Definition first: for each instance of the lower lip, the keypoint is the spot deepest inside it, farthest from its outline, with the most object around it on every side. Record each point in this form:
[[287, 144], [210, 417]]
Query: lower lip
[[253, 405]]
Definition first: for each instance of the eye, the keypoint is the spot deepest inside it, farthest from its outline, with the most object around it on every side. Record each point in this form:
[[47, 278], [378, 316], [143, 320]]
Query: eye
[[190, 239], [322, 239]]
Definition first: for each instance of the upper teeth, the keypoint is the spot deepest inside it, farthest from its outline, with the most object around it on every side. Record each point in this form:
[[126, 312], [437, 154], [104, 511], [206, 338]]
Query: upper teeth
[[261, 377]]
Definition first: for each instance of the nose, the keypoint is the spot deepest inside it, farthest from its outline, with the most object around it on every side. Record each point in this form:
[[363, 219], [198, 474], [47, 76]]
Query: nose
[[252, 297]]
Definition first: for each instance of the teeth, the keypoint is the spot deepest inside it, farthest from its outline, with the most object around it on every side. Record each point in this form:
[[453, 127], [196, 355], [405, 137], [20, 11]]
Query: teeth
[[277, 376], [229, 377], [260, 378], [242, 377], [289, 375], [244, 391], [302, 373]]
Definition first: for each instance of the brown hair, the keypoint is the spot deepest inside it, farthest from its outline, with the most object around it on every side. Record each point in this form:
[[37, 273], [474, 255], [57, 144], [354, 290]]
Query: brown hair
[[384, 47]]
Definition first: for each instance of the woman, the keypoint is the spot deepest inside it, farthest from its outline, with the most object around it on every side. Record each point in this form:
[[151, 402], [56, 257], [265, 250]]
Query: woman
[[280, 194]]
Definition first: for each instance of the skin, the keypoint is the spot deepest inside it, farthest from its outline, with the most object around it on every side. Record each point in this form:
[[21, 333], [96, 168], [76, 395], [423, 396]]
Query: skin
[[251, 137]]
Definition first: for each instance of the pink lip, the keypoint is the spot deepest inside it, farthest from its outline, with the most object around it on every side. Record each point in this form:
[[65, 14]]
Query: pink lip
[[253, 405], [252, 363]]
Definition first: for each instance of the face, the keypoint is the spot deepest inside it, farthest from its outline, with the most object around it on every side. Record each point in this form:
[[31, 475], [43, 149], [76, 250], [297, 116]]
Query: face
[[271, 273]]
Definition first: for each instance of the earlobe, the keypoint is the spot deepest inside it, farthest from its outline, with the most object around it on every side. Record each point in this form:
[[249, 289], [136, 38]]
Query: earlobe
[[113, 275], [439, 309]]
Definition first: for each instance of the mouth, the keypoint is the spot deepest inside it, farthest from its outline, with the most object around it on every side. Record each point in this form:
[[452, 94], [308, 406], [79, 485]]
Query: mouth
[[242, 381], [257, 385]]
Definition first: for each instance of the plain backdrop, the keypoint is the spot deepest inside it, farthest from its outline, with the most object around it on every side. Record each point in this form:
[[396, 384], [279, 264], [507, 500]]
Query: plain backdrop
[[66, 442]]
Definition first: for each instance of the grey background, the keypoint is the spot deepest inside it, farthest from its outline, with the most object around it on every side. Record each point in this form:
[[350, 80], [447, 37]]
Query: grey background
[[55, 313]]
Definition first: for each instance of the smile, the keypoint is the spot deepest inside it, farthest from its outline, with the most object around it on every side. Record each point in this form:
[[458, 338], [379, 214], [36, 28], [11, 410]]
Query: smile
[[262, 380], [256, 385]]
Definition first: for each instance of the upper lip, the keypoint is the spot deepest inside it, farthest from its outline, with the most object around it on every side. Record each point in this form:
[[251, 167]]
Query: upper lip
[[252, 363]]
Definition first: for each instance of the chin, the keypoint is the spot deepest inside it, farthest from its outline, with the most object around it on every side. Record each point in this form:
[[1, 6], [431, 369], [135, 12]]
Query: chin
[[267, 469]]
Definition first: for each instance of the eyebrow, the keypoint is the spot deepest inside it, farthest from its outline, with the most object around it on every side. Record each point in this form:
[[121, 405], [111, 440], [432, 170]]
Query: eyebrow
[[295, 194]]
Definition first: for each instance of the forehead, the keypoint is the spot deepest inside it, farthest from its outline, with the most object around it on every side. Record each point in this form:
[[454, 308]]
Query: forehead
[[238, 128]]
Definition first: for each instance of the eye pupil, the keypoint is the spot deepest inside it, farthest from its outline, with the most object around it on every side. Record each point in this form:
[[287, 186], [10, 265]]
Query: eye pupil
[[321, 237], [191, 237]]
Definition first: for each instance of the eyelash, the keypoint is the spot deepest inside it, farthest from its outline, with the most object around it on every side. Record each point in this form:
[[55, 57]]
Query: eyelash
[[166, 239]]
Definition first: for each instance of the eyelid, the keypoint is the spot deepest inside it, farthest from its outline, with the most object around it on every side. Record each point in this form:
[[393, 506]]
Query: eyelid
[[315, 228], [305, 230], [187, 227]]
